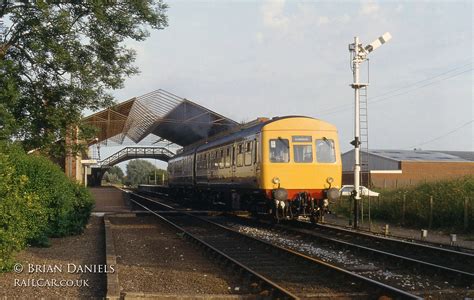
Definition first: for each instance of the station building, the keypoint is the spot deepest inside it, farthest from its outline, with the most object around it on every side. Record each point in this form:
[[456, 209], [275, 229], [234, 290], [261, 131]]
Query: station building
[[398, 168]]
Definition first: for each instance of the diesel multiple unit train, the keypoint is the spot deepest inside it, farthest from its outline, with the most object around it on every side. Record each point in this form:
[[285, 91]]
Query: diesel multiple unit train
[[289, 167]]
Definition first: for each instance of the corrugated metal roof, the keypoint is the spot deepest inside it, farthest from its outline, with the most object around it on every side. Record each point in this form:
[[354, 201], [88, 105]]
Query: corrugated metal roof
[[161, 113], [467, 155], [424, 155]]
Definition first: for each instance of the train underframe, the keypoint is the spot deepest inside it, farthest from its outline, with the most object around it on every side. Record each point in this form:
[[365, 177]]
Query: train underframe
[[257, 202], [302, 206]]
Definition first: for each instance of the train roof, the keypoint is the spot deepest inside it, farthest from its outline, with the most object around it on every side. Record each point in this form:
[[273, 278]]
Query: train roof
[[237, 135]]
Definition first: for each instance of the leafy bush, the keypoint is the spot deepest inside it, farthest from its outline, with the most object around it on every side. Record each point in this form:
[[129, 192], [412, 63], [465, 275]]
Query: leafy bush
[[37, 201], [19, 213]]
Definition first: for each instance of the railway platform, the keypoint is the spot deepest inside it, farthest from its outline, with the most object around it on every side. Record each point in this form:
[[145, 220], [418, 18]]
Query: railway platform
[[109, 199]]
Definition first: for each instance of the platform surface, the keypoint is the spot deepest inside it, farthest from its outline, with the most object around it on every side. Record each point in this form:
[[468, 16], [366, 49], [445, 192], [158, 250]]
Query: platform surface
[[108, 199]]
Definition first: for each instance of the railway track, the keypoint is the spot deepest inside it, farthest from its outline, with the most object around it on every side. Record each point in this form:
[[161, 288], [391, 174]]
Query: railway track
[[446, 262], [443, 260], [428, 279], [280, 272]]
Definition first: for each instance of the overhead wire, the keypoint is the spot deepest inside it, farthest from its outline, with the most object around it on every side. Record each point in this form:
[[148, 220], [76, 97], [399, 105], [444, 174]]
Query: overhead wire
[[443, 135], [425, 85], [390, 94]]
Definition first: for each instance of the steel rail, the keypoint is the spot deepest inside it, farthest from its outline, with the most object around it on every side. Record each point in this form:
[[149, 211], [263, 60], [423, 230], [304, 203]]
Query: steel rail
[[390, 290], [275, 291], [467, 277], [438, 252], [440, 247]]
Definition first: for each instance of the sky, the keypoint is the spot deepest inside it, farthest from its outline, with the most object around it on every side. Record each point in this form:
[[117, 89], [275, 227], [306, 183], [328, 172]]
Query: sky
[[248, 59]]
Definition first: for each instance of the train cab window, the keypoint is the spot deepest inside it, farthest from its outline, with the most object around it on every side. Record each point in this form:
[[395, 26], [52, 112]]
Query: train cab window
[[325, 151], [248, 154], [279, 150], [303, 153]]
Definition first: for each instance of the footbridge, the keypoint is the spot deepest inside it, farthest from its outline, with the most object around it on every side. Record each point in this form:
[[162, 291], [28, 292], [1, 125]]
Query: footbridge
[[99, 169], [128, 153]]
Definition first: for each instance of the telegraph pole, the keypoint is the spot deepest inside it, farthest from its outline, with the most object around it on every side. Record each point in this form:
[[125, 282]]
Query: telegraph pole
[[359, 55]]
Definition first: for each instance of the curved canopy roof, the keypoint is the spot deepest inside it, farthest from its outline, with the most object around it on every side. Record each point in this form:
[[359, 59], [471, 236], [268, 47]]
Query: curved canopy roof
[[161, 113]]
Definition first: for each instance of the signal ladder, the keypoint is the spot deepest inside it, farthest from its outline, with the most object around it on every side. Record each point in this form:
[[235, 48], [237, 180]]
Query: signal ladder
[[364, 151], [364, 137]]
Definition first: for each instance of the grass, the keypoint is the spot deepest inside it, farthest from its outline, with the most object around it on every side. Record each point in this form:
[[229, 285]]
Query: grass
[[446, 204]]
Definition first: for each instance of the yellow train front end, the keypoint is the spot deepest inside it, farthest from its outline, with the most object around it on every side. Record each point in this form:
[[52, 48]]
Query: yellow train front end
[[301, 166]]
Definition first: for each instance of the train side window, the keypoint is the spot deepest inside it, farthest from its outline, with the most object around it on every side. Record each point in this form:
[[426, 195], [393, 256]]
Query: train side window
[[303, 153], [221, 159], [240, 156], [325, 151], [227, 157], [279, 150], [255, 156], [233, 155], [204, 161], [248, 154], [216, 160]]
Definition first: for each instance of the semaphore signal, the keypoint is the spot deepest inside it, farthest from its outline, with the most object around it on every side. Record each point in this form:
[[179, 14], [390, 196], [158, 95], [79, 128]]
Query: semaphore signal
[[359, 55]]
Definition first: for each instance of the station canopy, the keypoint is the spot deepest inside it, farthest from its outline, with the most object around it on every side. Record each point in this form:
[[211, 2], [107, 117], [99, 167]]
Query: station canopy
[[159, 114]]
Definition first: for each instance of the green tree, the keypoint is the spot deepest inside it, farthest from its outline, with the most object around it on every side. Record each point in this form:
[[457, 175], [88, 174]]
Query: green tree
[[114, 175], [139, 171], [58, 58]]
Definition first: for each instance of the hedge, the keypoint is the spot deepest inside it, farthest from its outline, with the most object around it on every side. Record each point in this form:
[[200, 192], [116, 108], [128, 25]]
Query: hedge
[[37, 201]]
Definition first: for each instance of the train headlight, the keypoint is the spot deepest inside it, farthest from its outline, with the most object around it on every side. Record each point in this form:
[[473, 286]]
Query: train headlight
[[325, 203], [332, 194], [276, 180], [329, 180], [280, 194]]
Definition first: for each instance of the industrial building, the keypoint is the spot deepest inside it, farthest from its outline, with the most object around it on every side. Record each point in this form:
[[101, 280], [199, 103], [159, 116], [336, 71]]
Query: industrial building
[[398, 168]]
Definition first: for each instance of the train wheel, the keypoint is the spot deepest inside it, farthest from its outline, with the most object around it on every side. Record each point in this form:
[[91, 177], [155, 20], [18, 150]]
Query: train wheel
[[276, 212], [315, 217]]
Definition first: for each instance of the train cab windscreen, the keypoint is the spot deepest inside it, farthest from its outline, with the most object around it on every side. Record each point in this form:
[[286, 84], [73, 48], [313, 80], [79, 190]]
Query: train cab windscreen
[[325, 151], [279, 150], [303, 153]]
